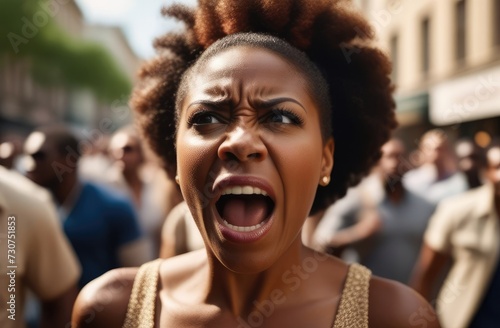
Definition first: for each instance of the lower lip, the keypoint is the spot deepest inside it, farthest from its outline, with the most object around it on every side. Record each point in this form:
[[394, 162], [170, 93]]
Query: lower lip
[[244, 236]]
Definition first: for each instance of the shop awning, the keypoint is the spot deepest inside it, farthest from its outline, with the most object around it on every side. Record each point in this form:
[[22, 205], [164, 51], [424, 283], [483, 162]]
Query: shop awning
[[472, 97], [411, 109]]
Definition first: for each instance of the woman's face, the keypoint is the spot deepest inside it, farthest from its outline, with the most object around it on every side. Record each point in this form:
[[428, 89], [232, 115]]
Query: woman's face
[[250, 155]]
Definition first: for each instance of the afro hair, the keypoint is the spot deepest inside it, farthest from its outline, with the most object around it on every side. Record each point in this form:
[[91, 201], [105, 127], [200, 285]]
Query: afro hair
[[336, 38]]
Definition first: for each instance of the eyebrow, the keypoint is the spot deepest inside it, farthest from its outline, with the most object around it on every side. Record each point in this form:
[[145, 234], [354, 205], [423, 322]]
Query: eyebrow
[[212, 103], [275, 101], [259, 103]]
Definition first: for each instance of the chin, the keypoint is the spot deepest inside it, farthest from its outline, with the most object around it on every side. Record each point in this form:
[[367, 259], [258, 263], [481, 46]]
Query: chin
[[246, 261]]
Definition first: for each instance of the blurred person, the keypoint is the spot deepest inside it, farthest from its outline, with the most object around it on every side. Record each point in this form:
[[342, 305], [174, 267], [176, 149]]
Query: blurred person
[[468, 155], [437, 177], [42, 258], [179, 233], [101, 226], [465, 230], [394, 248], [348, 222], [7, 154], [136, 177], [379, 223], [94, 163], [10, 151]]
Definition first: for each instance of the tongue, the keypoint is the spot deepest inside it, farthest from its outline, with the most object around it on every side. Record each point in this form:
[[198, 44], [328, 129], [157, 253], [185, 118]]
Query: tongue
[[245, 212]]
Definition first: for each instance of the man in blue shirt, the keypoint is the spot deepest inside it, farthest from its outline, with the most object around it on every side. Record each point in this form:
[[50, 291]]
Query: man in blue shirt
[[101, 226]]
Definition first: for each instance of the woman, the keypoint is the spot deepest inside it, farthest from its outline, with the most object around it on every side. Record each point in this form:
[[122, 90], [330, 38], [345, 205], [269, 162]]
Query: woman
[[251, 143]]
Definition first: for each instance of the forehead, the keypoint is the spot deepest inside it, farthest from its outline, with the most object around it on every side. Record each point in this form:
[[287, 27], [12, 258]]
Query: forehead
[[493, 157], [35, 142], [252, 66], [393, 146], [121, 139], [433, 141]]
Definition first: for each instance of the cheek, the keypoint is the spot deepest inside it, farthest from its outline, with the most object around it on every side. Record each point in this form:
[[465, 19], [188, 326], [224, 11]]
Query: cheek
[[194, 159], [299, 167]]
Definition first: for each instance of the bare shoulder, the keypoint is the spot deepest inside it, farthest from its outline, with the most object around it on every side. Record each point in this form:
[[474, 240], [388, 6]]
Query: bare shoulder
[[103, 302], [180, 265], [393, 304]]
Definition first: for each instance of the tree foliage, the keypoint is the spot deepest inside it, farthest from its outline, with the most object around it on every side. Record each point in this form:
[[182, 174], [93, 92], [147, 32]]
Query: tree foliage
[[28, 31]]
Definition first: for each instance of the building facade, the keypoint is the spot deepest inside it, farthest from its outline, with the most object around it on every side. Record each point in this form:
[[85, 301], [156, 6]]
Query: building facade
[[26, 103], [446, 63]]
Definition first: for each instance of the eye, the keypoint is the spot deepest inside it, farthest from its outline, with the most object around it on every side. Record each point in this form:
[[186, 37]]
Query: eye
[[283, 116], [203, 118]]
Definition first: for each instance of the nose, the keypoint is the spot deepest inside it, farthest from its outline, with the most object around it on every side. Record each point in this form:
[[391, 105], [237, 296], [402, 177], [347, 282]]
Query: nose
[[242, 145]]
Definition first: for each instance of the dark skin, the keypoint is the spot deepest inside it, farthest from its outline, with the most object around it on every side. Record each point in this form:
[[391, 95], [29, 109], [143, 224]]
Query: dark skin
[[55, 171], [391, 304], [242, 135]]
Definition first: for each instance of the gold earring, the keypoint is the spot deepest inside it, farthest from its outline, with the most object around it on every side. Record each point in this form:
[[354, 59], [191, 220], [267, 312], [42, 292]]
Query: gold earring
[[177, 179], [325, 180]]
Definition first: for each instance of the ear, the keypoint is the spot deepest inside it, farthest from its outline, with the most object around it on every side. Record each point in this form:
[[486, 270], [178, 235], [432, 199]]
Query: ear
[[327, 161]]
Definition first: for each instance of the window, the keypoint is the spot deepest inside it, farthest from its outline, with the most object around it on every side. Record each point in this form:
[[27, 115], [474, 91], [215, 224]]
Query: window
[[460, 30], [394, 57], [425, 37]]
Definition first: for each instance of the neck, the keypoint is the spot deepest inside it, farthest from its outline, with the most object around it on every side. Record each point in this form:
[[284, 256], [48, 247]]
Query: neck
[[444, 170], [134, 182], [395, 191], [241, 293], [309, 228], [132, 177], [62, 189]]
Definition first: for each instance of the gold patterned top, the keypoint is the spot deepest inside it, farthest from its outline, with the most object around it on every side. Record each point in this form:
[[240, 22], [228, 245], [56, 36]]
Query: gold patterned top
[[352, 311], [353, 308]]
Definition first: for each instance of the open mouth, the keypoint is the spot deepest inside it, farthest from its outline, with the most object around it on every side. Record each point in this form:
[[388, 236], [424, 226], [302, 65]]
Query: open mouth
[[244, 208]]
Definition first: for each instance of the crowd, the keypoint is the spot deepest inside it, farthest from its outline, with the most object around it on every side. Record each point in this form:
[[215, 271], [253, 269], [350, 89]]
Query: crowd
[[432, 225], [83, 209], [112, 206]]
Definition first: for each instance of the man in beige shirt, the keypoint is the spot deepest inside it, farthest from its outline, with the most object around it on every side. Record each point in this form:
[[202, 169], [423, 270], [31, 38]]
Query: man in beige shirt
[[466, 230], [35, 255]]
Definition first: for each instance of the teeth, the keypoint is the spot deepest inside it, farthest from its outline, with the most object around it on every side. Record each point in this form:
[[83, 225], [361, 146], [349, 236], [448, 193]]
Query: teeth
[[243, 229], [244, 190]]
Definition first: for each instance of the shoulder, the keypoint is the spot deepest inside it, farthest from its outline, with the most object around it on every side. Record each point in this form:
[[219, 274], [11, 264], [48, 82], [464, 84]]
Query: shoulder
[[180, 273], [113, 201], [175, 219], [392, 304], [104, 192], [459, 205], [183, 265], [103, 302], [419, 175], [178, 213]]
